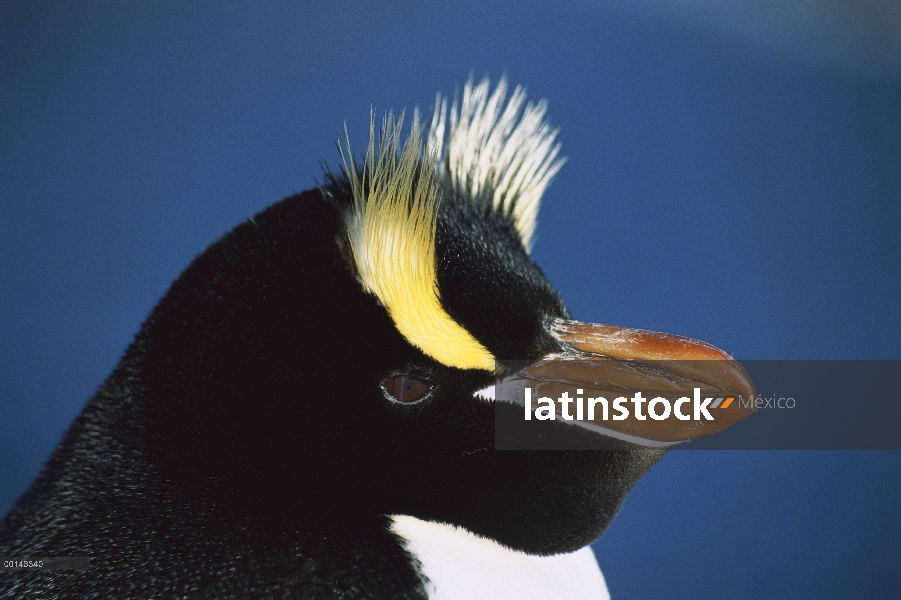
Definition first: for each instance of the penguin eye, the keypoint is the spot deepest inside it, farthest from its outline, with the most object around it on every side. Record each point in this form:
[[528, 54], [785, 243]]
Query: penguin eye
[[406, 389]]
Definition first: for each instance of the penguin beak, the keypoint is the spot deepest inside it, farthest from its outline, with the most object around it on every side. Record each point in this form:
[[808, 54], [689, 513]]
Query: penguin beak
[[615, 362]]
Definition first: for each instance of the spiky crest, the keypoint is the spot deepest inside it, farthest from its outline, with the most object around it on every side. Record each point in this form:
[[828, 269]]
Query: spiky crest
[[391, 228], [483, 150], [496, 154]]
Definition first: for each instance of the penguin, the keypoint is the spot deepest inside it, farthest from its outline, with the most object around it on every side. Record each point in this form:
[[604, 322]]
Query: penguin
[[309, 411]]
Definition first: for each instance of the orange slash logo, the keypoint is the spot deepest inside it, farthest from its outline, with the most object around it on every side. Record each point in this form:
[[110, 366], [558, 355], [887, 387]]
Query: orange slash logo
[[725, 404]]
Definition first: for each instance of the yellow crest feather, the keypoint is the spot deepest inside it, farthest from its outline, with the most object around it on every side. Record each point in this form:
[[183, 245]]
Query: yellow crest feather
[[392, 228]]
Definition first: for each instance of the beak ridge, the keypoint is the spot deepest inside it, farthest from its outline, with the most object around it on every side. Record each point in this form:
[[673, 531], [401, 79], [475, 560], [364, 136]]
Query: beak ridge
[[616, 362]]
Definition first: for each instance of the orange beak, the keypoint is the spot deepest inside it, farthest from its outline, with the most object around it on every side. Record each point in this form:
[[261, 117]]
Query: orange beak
[[601, 361]]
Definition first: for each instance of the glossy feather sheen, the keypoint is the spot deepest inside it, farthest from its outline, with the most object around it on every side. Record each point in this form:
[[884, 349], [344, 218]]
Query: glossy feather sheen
[[207, 466]]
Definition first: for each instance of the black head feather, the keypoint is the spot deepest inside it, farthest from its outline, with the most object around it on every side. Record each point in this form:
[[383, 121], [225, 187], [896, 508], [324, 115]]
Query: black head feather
[[245, 444]]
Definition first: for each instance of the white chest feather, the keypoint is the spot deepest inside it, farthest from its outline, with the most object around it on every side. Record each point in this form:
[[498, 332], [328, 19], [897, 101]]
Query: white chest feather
[[461, 565]]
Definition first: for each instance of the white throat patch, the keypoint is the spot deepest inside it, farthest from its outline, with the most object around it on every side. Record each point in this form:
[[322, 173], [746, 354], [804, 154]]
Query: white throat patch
[[461, 565]]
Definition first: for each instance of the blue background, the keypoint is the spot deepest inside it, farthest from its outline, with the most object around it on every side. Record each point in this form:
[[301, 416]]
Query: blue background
[[734, 175]]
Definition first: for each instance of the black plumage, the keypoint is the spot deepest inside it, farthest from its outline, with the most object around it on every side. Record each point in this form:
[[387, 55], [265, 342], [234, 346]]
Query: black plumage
[[246, 446], [243, 445]]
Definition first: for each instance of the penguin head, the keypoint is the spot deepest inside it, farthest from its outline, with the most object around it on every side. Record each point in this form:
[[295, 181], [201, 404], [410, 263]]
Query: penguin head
[[326, 360]]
